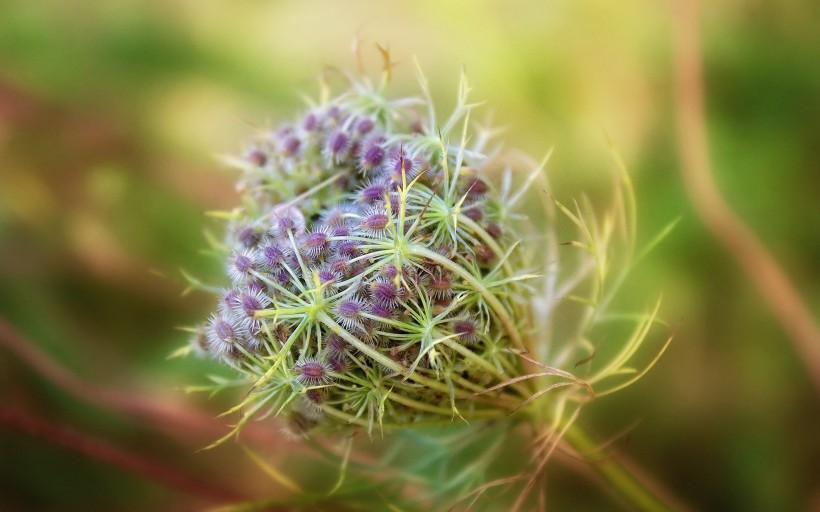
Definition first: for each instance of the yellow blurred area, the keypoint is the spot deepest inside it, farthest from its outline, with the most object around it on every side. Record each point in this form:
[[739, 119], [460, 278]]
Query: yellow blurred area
[[27, 199]]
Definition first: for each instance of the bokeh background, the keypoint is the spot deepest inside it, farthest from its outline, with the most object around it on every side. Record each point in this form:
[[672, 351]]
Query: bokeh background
[[112, 118]]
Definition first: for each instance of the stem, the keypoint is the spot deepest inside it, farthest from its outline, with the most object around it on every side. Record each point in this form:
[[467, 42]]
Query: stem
[[138, 464], [754, 258], [621, 480]]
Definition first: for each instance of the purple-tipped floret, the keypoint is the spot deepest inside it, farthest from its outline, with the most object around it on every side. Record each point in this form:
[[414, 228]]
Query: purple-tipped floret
[[371, 154], [466, 329], [337, 146], [310, 371], [316, 242]]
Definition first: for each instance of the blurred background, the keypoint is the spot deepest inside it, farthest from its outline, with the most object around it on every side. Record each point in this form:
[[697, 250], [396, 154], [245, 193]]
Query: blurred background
[[112, 118]]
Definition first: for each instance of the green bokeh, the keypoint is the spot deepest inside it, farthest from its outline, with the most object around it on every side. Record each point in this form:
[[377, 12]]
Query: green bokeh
[[113, 114]]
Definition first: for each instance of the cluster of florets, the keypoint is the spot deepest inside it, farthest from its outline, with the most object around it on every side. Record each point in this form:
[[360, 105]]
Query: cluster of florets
[[369, 270]]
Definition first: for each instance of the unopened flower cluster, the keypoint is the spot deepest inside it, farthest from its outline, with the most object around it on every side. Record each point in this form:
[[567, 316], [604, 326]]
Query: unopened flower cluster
[[370, 267]]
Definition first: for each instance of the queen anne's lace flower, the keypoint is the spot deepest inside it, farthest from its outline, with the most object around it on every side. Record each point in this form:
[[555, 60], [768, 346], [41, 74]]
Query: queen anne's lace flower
[[375, 269], [378, 278]]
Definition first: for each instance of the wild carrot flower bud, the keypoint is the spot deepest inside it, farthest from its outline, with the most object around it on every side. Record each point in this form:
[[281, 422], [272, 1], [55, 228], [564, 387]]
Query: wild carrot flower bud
[[310, 123], [439, 284], [474, 214], [385, 292], [290, 144], [224, 333], [375, 221], [465, 329], [241, 265], [383, 276], [311, 371], [257, 158], [349, 313], [371, 153], [381, 311], [270, 256], [327, 275], [245, 235], [337, 146], [377, 262], [316, 242], [494, 230], [373, 262], [364, 126], [374, 192]]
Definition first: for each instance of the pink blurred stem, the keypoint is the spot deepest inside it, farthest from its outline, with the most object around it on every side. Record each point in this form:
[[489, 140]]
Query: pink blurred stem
[[757, 263]]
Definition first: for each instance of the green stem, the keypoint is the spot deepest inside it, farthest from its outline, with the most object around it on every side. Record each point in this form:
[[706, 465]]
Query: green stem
[[622, 481]]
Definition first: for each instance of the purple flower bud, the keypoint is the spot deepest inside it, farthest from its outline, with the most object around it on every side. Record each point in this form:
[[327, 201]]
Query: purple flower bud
[[257, 158], [401, 167], [285, 224], [333, 112], [389, 271], [316, 396], [340, 231], [224, 333], [494, 230], [336, 216], [381, 310], [327, 275], [395, 203], [251, 302], [230, 300], [476, 187], [372, 193], [385, 292], [291, 144], [371, 153], [242, 263], [256, 285], [466, 329], [439, 285], [349, 313], [364, 126], [347, 249], [310, 123], [310, 371], [336, 344], [247, 304], [270, 256], [247, 235], [337, 147], [375, 221], [483, 254], [285, 218], [340, 266], [338, 363], [474, 214], [316, 242]]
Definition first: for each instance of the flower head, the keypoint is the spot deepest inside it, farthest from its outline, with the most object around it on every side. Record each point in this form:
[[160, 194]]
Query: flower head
[[369, 246]]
